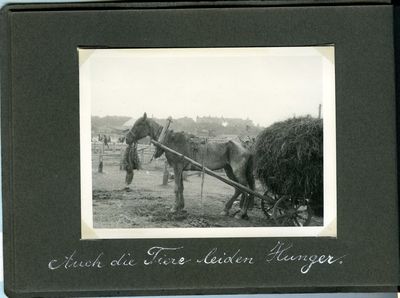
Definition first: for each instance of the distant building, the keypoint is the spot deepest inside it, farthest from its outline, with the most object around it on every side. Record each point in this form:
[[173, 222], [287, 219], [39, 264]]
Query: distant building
[[224, 121]]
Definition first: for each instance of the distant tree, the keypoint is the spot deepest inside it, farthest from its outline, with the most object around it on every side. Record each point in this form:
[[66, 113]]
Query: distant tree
[[204, 126], [99, 123]]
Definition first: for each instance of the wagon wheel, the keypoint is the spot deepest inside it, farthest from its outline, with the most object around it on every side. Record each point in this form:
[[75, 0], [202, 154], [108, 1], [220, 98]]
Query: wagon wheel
[[288, 213], [267, 207]]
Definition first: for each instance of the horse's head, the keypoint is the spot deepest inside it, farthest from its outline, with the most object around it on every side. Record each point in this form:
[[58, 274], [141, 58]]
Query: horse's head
[[141, 129]]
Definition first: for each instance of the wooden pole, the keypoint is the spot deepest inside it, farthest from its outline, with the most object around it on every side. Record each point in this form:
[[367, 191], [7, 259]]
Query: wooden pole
[[121, 158], [213, 174], [163, 133], [161, 139], [202, 175], [319, 111], [166, 174]]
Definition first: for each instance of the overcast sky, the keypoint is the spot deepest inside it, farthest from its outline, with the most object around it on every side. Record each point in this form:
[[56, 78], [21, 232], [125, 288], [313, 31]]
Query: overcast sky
[[262, 84]]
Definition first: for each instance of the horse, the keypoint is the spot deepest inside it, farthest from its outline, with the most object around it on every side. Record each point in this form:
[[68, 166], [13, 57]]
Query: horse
[[232, 156]]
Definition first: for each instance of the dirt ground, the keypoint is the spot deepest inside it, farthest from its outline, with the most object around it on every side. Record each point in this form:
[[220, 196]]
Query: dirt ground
[[147, 203]]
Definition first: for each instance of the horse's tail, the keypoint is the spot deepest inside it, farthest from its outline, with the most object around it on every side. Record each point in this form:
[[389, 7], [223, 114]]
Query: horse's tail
[[250, 179]]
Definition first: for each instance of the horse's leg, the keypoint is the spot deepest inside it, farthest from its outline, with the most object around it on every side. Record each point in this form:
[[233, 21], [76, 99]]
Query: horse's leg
[[179, 204], [181, 199], [251, 181], [240, 174], [247, 200], [244, 204], [228, 205]]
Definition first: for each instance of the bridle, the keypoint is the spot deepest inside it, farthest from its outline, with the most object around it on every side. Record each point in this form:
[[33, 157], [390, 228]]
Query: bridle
[[131, 133], [151, 132]]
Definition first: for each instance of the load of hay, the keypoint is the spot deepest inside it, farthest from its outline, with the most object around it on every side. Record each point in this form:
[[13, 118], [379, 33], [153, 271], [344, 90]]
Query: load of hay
[[131, 162], [289, 160]]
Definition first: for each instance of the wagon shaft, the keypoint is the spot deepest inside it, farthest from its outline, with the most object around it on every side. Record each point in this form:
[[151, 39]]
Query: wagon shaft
[[213, 174]]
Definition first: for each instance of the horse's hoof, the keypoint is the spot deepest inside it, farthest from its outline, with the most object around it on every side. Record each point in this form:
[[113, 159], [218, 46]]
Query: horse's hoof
[[177, 210], [224, 213], [238, 215]]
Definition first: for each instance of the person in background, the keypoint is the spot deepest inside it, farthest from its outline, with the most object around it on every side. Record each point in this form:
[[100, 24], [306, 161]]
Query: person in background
[[105, 140], [131, 162]]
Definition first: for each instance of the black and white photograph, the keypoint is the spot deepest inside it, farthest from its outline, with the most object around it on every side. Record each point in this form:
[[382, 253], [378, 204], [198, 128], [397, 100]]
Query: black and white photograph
[[207, 142]]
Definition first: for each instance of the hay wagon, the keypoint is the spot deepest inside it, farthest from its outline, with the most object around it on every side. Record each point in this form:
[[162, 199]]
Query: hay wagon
[[289, 163]]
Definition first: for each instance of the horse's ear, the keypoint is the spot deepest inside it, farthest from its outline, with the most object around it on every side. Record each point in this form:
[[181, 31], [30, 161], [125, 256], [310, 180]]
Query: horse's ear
[[144, 116]]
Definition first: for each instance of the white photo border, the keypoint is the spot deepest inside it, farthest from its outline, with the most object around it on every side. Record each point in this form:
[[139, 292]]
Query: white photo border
[[329, 228]]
